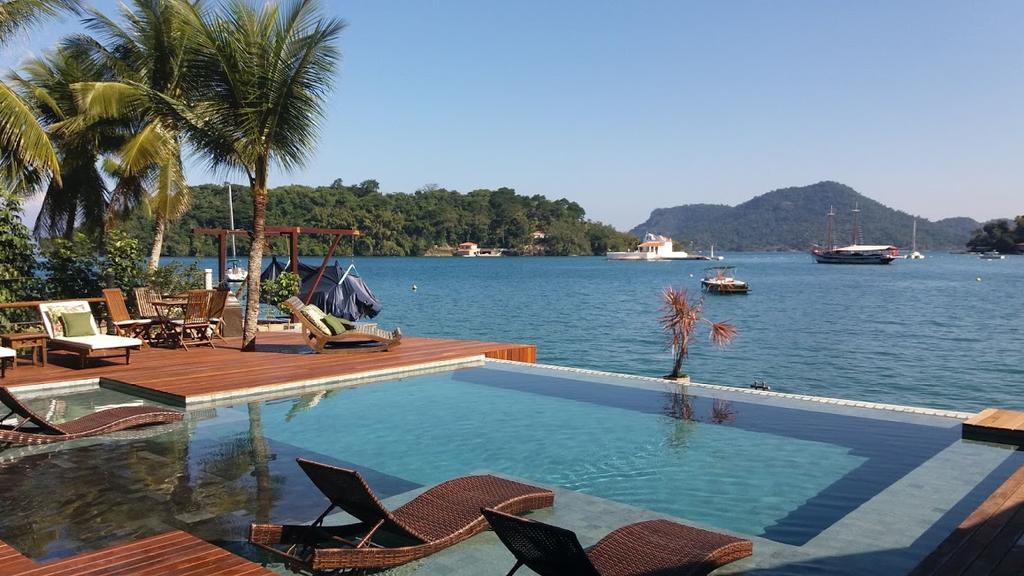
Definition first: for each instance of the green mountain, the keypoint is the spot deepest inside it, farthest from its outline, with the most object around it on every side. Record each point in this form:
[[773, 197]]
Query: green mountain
[[794, 219]]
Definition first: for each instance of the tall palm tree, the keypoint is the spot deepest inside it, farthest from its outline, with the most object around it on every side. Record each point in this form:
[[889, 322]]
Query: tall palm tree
[[24, 146], [258, 80], [45, 85], [148, 54]]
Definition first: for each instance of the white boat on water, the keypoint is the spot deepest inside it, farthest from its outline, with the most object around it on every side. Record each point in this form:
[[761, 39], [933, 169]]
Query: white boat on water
[[654, 247], [914, 254], [233, 272], [991, 256]]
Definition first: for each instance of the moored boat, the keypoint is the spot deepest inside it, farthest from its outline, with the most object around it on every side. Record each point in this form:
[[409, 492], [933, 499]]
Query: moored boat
[[721, 280], [655, 247], [914, 254], [234, 272], [855, 253]]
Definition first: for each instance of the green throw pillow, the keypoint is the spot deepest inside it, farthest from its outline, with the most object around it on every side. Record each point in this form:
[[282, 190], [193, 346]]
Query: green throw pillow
[[337, 325], [77, 324]]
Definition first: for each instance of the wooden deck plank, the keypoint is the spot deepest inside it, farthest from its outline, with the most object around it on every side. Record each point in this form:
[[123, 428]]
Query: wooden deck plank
[[986, 539], [173, 553], [281, 358]]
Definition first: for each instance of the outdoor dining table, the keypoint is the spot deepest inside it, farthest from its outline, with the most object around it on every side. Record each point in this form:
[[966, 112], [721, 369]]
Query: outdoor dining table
[[165, 310]]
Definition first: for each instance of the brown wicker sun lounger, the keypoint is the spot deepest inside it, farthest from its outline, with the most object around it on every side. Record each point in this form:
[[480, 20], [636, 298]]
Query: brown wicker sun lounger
[[440, 517], [653, 547], [358, 339], [34, 429]]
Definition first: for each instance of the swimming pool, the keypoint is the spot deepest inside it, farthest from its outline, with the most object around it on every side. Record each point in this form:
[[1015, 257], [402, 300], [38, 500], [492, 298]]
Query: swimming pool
[[781, 470]]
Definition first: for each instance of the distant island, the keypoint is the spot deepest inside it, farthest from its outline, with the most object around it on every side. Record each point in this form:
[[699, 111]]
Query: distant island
[[430, 221], [794, 219]]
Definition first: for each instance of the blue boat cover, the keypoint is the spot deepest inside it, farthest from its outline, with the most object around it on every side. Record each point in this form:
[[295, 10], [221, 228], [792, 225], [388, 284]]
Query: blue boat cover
[[343, 296]]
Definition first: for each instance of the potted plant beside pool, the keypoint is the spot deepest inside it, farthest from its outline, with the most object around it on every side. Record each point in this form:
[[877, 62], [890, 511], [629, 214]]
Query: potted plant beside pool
[[680, 318]]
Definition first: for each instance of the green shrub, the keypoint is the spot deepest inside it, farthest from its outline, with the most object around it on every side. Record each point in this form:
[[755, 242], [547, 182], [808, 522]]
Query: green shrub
[[175, 277], [72, 268], [123, 263], [275, 292], [17, 263]]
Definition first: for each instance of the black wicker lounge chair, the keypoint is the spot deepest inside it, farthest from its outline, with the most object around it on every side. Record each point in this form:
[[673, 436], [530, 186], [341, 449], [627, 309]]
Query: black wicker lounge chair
[[651, 548], [32, 428], [440, 517]]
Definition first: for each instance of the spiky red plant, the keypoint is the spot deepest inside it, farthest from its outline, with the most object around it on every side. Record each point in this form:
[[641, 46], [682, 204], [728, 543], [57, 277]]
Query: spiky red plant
[[680, 317]]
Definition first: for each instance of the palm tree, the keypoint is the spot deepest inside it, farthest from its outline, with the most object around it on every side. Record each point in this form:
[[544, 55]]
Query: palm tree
[[258, 81], [680, 319], [81, 194], [25, 148], [149, 51]]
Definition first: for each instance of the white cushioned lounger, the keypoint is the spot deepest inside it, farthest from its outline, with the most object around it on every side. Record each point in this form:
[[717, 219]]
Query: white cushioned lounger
[[84, 346], [6, 353]]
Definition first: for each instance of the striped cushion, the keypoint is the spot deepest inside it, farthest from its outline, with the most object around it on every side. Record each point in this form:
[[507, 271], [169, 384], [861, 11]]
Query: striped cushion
[[315, 317]]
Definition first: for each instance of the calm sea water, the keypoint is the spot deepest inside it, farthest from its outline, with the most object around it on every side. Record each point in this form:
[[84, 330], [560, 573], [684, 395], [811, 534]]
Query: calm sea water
[[925, 333]]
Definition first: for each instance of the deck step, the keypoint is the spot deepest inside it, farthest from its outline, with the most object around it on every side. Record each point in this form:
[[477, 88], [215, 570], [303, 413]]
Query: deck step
[[995, 425]]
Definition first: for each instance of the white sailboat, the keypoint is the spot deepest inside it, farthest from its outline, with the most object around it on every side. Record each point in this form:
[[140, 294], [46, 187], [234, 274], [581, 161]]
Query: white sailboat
[[914, 254], [234, 272]]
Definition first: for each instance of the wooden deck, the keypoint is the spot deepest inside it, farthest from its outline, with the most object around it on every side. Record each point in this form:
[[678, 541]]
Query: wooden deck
[[989, 542], [996, 425], [174, 553], [281, 360]]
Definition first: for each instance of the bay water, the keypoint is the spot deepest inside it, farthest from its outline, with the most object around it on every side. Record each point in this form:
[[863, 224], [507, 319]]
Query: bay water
[[944, 332]]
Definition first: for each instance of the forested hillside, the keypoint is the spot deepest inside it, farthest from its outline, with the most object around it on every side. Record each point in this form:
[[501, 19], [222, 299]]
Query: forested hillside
[[393, 224], [794, 219]]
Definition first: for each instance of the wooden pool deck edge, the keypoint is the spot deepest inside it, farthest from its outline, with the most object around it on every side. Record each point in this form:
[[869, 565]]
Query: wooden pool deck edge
[[173, 553], [995, 425], [281, 363], [288, 388], [989, 541]]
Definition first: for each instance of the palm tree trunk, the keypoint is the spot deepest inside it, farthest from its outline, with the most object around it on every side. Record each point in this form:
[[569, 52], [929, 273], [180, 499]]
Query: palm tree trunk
[[158, 242], [260, 463], [252, 298], [69, 225]]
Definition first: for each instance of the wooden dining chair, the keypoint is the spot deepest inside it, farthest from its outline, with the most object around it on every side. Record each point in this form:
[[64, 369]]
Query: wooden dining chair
[[215, 313], [124, 324], [144, 296], [194, 325]]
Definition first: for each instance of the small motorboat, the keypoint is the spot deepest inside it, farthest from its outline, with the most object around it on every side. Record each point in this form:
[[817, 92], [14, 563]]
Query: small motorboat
[[234, 272], [991, 256], [720, 280]]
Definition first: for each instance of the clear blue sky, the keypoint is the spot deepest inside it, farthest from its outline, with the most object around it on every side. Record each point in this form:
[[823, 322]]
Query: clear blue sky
[[628, 106]]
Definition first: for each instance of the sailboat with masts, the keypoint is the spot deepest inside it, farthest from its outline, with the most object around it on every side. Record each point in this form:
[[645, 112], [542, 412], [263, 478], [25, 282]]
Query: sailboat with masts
[[914, 254], [234, 272], [855, 253]]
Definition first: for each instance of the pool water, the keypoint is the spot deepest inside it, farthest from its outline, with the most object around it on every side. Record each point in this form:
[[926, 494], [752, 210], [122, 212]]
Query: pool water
[[780, 469]]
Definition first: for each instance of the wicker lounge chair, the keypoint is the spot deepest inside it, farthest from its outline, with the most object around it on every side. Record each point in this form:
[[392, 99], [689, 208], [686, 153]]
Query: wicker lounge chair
[[5, 355], [34, 429], [440, 517], [358, 339], [650, 548], [124, 324], [94, 345]]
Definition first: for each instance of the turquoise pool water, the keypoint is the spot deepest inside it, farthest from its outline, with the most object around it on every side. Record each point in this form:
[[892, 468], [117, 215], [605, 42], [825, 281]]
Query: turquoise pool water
[[783, 470], [444, 426]]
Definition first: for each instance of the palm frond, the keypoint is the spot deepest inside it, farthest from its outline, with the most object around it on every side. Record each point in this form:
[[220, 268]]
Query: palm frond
[[19, 15], [23, 141]]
